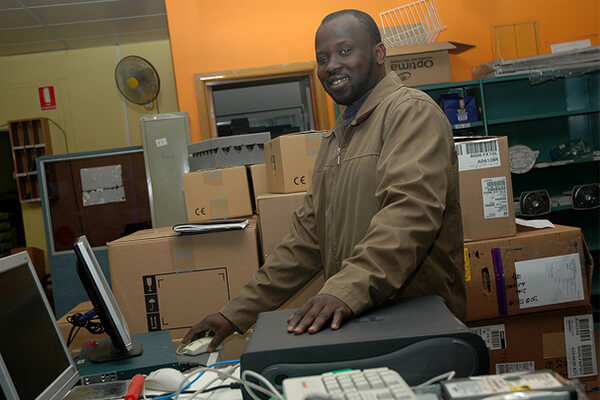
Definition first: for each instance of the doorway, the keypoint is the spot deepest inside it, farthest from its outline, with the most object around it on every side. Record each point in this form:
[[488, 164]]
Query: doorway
[[12, 232]]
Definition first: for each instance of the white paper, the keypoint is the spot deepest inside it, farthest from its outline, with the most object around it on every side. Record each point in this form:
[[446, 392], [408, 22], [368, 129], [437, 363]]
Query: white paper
[[161, 142], [535, 223], [550, 280], [579, 343], [495, 197], [102, 185], [477, 154], [494, 336]]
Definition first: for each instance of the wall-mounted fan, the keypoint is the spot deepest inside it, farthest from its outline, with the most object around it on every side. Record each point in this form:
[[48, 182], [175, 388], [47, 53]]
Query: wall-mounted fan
[[137, 80]]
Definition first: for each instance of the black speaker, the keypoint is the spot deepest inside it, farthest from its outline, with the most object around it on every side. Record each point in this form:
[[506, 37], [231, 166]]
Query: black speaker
[[586, 197], [534, 203]]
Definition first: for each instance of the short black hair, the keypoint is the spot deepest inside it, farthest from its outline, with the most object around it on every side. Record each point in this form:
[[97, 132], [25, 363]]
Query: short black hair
[[362, 17]]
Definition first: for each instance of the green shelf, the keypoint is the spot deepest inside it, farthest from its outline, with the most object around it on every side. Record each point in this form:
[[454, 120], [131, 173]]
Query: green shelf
[[542, 116], [531, 117], [562, 163]]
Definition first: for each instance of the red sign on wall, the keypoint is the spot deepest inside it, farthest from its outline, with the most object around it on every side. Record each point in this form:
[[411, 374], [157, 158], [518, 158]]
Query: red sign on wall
[[47, 98]]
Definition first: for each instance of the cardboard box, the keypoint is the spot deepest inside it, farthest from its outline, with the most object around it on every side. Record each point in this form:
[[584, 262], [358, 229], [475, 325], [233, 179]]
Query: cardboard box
[[259, 183], [536, 270], [486, 196], [83, 336], [561, 340], [275, 216], [217, 194], [162, 280], [290, 160], [423, 64]]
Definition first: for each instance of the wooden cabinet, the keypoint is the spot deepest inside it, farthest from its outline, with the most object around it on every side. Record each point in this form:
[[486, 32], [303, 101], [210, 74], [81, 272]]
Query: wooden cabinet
[[29, 139]]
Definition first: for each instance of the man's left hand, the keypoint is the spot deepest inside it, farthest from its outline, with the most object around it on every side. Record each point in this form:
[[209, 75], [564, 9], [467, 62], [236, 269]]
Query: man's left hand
[[315, 314]]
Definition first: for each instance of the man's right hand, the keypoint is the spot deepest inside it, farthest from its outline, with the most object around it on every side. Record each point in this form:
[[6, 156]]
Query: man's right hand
[[214, 325]]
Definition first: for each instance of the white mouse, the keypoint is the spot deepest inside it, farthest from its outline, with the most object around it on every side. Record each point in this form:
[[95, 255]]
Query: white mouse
[[164, 379]]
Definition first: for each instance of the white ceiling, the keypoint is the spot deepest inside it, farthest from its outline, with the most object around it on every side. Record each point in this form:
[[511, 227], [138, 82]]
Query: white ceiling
[[29, 26]]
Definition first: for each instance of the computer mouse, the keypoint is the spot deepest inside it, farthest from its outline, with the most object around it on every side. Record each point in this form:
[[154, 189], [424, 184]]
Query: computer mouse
[[165, 380]]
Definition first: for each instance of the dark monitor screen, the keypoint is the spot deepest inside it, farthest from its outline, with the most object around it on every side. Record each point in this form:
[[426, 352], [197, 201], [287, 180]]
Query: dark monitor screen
[[35, 362]]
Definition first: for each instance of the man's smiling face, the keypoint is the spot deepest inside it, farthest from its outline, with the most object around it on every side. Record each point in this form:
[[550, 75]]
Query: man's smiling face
[[345, 58]]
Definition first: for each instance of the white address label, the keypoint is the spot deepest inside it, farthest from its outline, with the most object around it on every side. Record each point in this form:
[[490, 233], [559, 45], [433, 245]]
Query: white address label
[[478, 154], [495, 197], [549, 280], [494, 336], [579, 342]]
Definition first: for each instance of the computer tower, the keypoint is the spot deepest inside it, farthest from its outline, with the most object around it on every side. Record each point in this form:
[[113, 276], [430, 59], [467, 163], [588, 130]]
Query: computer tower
[[418, 337]]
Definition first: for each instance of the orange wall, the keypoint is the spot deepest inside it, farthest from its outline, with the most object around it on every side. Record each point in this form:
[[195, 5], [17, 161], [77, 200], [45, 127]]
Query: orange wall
[[221, 35]]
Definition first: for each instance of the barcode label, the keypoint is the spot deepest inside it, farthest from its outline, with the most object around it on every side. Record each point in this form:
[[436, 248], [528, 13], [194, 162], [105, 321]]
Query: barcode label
[[480, 147], [494, 336], [579, 342], [478, 154], [506, 368], [495, 197]]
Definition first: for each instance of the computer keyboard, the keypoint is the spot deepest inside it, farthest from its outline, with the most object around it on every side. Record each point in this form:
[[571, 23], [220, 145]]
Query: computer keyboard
[[366, 384]]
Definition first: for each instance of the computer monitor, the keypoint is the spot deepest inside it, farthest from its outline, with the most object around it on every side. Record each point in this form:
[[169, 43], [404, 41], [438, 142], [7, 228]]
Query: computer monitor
[[35, 362], [121, 346]]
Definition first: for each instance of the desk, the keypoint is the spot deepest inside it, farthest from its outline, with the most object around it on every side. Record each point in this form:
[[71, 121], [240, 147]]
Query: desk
[[109, 390]]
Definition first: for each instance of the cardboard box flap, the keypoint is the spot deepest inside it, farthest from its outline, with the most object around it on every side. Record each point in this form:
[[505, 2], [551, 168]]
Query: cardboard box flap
[[459, 47], [451, 47], [320, 132]]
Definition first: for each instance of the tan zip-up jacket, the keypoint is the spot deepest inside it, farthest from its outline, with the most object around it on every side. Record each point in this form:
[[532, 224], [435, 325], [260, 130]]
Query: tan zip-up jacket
[[382, 217]]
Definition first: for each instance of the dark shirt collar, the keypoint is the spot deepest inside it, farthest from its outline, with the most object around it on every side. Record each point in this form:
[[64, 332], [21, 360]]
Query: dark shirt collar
[[351, 111]]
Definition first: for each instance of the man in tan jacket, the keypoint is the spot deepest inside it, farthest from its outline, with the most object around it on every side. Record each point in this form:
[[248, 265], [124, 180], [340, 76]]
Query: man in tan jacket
[[382, 217]]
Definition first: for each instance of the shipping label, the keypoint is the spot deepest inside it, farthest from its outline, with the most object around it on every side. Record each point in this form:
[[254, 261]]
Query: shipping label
[[507, 368], [494, 336], [579, 343], [478, 154], [549, 280], [495, 197]]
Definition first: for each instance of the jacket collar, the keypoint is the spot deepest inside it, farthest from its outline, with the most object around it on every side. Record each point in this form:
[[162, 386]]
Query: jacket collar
[[383, 89]]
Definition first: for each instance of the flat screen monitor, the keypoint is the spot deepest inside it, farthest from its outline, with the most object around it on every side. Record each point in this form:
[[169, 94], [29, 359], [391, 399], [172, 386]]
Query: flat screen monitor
[[92, 278], [35, 362]]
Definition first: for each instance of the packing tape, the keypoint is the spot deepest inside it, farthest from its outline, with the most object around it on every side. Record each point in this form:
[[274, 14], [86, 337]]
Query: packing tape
[[467, 266], [213, 177], [182, 254], [313, 143], [500, 283], [219, 208]]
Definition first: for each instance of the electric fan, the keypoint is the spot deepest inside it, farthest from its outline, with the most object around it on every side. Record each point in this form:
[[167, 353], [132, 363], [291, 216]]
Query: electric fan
[[137, 80]]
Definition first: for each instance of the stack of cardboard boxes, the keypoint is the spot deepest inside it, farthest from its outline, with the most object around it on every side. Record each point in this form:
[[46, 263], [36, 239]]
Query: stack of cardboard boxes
[[164, 280], [528, 290]]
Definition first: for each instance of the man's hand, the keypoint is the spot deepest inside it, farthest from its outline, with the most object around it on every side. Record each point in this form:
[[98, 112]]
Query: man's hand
[[317, 311], [215, 324]]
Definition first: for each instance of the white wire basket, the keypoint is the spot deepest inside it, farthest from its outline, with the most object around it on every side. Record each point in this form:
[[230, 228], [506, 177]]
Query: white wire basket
[[412, 24]]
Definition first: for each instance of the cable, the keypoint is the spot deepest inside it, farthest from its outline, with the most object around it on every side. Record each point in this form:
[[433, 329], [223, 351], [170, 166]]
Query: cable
[[184, 385], [247, 385], [63, 132], [270, 391], [446, 375], [89, 321]]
